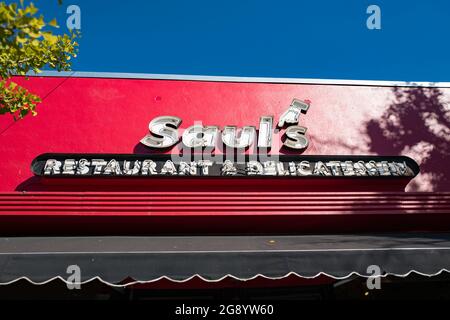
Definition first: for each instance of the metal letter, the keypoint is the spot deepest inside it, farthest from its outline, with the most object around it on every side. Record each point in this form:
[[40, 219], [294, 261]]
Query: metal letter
[[230, 139], [112, 168], [383, 168], [292, 114], [335, 167], [321, 169], [360, 168], [148, 168], [204, 164], [52, 166], [304, 168], [265, 132], [371, 167], [281, 170], [187, 169], [198, 136], [69, 166], [296, 138], [83, 167], [270, 168], [254, 168], [292, 169], [98, 165], [163, 132], [169, 168], [228, 168], [402, 169], [134, 171], [347, 168]]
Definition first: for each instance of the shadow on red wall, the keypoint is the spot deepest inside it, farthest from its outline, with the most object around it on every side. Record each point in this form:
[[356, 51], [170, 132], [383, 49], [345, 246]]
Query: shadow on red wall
[[417, 122]]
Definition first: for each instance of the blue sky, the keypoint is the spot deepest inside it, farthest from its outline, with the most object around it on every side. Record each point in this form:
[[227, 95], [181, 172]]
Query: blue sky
[[303, 39]]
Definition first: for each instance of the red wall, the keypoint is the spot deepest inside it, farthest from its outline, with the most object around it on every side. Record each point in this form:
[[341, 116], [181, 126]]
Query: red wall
[[101, 115], [96, 115]]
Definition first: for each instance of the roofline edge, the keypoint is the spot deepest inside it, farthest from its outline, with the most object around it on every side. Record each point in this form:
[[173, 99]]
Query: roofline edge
[[155, 76]]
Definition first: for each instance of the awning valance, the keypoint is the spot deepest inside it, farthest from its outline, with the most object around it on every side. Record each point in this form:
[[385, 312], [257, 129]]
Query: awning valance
[[212, 258]]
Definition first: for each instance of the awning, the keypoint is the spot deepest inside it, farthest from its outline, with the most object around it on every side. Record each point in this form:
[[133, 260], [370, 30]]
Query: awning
[[212, 258]]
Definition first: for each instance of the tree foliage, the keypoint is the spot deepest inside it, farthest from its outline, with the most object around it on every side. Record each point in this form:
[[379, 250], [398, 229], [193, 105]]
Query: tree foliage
[[27, 44]]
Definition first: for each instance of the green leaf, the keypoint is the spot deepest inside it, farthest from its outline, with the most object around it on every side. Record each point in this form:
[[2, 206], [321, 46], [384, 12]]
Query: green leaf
[[50, 37], [24, 112], [26, 45]]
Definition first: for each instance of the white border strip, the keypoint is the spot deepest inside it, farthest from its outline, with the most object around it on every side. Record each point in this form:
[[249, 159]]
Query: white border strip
[[353, 273], [224, 251], [155, 76]]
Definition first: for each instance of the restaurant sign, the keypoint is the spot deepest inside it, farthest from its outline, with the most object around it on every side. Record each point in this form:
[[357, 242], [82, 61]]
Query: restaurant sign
[[132, 165], [233, 162]]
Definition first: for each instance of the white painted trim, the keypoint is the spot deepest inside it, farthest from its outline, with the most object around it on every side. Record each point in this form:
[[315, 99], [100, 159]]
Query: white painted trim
[[225, 251], [350, 274], [152, 76]]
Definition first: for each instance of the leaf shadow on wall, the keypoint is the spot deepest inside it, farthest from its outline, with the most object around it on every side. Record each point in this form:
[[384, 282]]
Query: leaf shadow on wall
[[417, 124]]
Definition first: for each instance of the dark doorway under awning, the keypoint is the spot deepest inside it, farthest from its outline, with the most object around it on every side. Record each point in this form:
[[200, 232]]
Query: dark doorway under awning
[[212, 258]]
